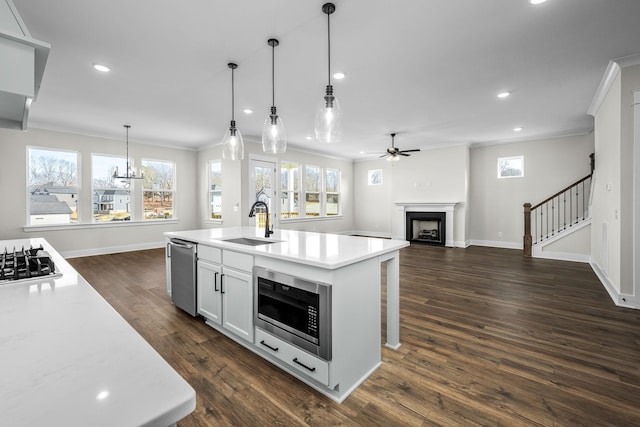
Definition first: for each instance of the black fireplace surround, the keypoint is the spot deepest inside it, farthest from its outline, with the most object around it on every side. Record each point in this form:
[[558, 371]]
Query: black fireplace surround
[[436, 237]]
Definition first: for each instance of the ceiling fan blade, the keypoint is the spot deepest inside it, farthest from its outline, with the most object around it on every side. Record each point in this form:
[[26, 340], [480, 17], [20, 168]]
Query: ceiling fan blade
[[384, 155], [410, 151], [403, 154]]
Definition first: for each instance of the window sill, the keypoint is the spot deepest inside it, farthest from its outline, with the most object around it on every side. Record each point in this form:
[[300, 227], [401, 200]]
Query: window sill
[[79, 226], [313, 218]]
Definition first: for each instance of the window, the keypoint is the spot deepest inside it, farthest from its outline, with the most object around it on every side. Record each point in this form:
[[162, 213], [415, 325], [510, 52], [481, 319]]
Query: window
[[511, 167], [312, 187], [158, 189], [332, 187], [289, 190], [374, 177], [215, 189], [111, 196], [53, 187]]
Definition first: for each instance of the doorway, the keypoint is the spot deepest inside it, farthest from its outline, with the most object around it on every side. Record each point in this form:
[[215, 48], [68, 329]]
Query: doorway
[[262, 187]]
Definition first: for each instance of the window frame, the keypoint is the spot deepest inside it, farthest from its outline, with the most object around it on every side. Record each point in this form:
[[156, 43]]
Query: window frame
[[322, 193], [210, 192], [506, 160], [174, 214], [77, 187], [131, 205]]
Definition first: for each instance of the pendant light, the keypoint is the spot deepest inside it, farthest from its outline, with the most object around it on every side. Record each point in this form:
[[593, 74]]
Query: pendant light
[[274, 138], [232, 145], [131, 172], [328, 122]]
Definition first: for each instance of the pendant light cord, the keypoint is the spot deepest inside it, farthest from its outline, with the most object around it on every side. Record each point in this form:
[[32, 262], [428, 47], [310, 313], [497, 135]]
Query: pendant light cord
[[273, 72], [233, 96], [329, 48]]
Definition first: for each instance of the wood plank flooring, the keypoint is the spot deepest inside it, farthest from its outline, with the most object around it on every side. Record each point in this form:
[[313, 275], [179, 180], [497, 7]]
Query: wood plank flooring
[[488, 338]]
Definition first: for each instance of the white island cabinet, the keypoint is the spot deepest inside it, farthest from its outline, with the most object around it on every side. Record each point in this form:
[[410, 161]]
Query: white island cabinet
[[225, 290], [350, 265], [69, 359]]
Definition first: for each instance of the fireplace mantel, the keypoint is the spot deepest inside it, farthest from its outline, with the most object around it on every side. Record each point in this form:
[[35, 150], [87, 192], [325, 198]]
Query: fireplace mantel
[[446, 207]]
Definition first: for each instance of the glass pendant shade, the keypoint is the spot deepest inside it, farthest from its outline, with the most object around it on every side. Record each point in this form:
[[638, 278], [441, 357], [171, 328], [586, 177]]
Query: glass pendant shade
[[328, 122], [274, 138], [232, 144]]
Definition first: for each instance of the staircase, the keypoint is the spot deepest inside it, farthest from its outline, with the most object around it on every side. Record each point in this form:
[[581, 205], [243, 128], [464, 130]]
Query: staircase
[[566, 212]]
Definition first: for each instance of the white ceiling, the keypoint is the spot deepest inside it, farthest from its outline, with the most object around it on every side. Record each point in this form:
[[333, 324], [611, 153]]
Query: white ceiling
[[429, 70]]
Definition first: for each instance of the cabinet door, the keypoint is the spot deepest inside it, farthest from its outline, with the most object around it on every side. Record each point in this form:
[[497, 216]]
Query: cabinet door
[[237, 300], [209, 295]]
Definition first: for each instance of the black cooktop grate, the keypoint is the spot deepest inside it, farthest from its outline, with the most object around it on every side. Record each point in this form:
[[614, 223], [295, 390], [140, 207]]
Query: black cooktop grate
[[25, 264]]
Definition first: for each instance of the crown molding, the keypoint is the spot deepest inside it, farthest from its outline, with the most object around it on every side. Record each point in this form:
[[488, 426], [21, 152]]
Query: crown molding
[[613, 69]]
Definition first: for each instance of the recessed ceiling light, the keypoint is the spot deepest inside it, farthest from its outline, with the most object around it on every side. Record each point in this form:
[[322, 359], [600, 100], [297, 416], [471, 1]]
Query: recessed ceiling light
[[248, 111], [537, 1], [101, 68], [504, 94], [308, 138], [338, 76], [517, 129]]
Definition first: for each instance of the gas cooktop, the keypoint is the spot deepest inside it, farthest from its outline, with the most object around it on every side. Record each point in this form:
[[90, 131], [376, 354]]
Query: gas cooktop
[[26, 264]]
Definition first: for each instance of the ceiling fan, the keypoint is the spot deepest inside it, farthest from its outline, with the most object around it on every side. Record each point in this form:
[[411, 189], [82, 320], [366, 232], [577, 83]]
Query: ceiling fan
[[393, 154]]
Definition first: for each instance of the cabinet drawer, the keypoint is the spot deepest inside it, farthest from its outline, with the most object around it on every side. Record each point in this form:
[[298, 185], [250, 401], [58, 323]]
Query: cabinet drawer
[[238, 261], [210, 254], [298, 360]]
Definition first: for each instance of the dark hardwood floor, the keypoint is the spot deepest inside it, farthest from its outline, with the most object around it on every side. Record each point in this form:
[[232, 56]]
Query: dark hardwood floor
[[488, 338]]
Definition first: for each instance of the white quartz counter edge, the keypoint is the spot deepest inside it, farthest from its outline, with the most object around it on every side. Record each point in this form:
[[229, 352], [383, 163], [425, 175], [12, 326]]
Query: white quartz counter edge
[[68, 358], [324, 250]]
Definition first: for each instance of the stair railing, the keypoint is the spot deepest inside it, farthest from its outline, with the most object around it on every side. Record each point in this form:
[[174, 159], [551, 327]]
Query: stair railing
[[557, 213]]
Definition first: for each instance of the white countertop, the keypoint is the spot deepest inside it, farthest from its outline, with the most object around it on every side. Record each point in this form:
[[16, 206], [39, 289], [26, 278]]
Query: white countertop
[[323, 250], [68, 358]]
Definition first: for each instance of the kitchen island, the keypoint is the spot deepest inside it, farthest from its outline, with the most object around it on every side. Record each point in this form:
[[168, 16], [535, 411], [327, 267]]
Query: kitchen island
[[68, 358], [350, 266]]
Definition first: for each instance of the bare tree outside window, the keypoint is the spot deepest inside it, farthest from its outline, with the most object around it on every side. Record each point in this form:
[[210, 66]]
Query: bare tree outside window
[[511, 167], [53, 186]]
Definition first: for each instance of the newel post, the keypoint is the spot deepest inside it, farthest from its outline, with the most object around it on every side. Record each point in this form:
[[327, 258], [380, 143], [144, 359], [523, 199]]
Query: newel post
[[527, 230]]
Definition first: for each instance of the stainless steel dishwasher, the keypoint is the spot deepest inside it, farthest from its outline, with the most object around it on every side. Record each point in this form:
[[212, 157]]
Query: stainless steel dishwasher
[[183, 256]]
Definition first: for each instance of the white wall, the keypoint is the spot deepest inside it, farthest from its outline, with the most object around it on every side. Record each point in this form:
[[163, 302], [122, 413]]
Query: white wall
[[89, 239], [496, 212], [605, 250], [429, 176], [630, 82]]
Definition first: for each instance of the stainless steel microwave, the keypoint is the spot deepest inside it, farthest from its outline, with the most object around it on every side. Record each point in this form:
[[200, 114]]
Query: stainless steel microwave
[[296, 310]]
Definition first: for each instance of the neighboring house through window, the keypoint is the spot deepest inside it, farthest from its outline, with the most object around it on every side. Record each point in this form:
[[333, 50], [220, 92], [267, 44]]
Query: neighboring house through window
[[111, 196], [53, 186]]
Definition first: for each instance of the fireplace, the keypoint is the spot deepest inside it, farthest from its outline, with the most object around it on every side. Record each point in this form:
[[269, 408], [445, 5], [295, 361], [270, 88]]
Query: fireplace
[[428, 228]]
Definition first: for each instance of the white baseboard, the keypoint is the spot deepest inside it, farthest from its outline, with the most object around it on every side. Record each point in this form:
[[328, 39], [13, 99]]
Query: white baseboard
[[496, 244], [112, 250], [619, 299], [563, 256]]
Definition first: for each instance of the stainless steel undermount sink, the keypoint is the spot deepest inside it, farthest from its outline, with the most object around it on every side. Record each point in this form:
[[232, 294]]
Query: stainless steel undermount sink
[[248, 241]]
